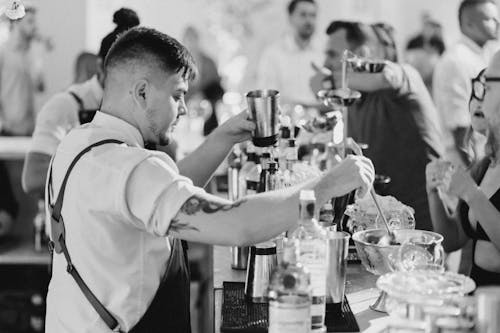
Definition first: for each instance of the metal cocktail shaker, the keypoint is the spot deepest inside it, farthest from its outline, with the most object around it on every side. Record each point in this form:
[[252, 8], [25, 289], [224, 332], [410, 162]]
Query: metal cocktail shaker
[[261, 262], [239, 255], [263, 109], [338, 249]]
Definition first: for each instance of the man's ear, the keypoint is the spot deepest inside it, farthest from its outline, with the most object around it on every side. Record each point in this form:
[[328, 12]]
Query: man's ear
[[140, 93], [100, 70]]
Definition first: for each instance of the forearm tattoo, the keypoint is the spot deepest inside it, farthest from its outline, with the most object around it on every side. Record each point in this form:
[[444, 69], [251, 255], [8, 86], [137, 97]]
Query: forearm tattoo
[[196, 204]]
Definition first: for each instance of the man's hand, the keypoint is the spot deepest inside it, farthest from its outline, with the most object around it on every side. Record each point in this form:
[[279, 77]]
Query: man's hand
[[236, 129], [354, 172]]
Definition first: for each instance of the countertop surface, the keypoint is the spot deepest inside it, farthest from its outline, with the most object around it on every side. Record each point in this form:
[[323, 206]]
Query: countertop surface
[[360, 290], [14, 147]]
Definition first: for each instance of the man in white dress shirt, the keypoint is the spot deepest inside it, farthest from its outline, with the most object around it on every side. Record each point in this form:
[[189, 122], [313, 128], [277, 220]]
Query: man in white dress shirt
[[118, 202], [286, 64], [453, 73]]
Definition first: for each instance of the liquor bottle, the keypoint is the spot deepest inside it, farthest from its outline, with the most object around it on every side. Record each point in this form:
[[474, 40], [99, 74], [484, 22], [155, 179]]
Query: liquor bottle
[[39, 236], [264, 161], [283, 142], [272, 179], [326, 215], [291, 158], [290, 294], [312, 255], [253, 177], [247, 167]]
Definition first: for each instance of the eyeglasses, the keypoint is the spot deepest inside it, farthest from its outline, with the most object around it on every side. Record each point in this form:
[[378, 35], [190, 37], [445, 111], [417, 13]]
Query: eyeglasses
[[479, 86]]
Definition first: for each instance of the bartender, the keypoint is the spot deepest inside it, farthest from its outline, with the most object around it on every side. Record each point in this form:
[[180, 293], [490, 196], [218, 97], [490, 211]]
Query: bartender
[[119, 263]]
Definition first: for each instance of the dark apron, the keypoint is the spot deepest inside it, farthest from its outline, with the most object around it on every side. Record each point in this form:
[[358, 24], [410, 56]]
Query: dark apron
[[169, 310]]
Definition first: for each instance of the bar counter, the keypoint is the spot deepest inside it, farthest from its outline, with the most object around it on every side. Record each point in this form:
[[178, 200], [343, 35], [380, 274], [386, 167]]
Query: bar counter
[[360, 289]]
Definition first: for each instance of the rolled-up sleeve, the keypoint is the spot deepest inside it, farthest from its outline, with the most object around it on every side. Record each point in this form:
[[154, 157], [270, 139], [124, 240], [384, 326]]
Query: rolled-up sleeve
[[155, 192], [56, 118]]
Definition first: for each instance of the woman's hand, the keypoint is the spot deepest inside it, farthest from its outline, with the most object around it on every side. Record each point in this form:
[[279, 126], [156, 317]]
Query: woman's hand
[[437, 174], [462, 185]]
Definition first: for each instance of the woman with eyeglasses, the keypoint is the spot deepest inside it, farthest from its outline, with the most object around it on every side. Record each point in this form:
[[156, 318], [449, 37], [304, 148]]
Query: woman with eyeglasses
[[477, 216]]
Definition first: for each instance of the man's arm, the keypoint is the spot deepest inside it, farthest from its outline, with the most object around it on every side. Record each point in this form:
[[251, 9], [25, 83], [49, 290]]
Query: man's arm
[[34, 173], [53, 122], [201, 217], [202, 163], [389, 78]]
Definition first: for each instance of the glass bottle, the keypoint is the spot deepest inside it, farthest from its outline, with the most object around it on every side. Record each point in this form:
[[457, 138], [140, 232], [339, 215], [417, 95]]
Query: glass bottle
[[312, 255], [290, 294]]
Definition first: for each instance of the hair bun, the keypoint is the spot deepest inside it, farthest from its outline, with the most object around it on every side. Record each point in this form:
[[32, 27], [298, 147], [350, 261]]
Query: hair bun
[[126, 18]]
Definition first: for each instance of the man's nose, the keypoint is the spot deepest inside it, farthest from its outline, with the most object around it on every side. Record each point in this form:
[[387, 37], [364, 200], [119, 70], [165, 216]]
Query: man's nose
[[182, 108]]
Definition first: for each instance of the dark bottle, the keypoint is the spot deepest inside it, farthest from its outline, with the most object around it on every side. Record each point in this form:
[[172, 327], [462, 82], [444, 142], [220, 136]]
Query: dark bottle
[[264, 161]]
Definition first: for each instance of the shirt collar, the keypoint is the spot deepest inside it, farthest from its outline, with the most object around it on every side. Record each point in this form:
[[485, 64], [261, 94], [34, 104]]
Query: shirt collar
[[472, 44], [128, 133], [291, 44]]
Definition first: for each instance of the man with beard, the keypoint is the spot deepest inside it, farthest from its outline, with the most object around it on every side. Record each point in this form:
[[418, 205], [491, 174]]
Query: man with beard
[[395, 115], [478, 21], [121, 213], [286, 65], [477, 217]]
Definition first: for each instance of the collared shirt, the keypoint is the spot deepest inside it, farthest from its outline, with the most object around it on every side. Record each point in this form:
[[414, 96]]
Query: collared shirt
[[285, 67], [452, 83], [117, 209], [17, 89], [60, 114]]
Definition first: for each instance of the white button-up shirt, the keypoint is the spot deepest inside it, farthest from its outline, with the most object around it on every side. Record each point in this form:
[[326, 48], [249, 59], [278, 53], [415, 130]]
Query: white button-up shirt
[[452, 83], [60, 114], [286, 67], [117, 209]]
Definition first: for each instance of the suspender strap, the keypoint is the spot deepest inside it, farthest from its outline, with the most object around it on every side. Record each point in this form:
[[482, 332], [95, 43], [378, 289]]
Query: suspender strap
[[78, 99], [58, 243]]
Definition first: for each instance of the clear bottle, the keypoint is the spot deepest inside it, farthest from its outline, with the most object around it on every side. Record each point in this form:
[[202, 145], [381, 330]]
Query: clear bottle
[[247, 167], [283, 143], [290, 294], [272, 180], [252, 178], [292, 153], [326, 215], [312, 255]]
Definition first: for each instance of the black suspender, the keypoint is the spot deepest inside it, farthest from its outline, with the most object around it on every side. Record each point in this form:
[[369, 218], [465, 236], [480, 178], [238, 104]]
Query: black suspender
[[58, 243]]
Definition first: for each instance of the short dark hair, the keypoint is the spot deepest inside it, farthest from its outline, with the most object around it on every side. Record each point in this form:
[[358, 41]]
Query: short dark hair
[[293, 4], [355, 33], [139, 43], [465, 4]]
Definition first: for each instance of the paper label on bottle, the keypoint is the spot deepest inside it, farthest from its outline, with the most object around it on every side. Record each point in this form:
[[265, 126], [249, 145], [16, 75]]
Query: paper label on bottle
[[313, 257], [290, 320]]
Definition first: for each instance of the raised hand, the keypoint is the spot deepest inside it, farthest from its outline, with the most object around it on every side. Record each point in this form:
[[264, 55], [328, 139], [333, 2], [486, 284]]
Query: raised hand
[[354, 172]]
